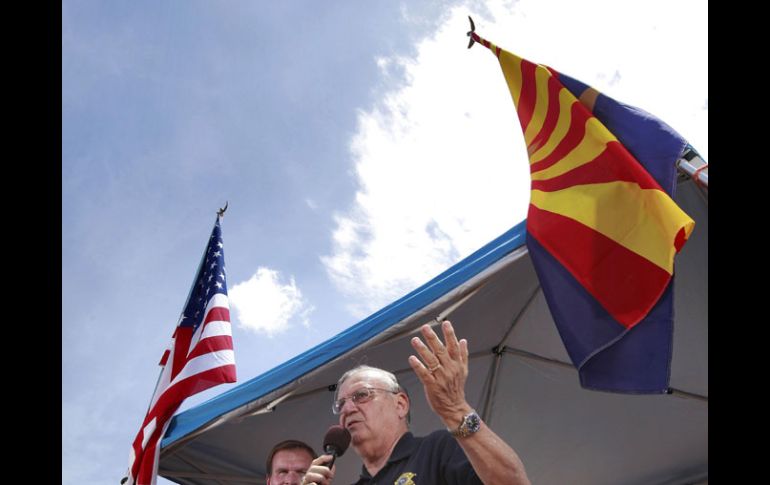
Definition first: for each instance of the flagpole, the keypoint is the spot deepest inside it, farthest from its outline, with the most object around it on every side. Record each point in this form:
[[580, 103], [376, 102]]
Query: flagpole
[[693, 165]]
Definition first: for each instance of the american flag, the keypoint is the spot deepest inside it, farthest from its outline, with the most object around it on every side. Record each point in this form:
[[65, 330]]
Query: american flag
[[199, 356]]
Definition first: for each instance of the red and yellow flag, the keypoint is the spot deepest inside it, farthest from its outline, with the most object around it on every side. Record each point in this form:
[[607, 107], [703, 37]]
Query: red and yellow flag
[[599, 213]]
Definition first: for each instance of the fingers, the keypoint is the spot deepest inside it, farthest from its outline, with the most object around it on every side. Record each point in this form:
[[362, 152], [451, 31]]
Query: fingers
[[433, 342], [422, 372], [452, 345], [442, 370], [435, 353], [430, 362], [318, 472]]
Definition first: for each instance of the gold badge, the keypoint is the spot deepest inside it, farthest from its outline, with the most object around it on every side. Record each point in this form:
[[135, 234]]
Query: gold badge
[[405, 479]]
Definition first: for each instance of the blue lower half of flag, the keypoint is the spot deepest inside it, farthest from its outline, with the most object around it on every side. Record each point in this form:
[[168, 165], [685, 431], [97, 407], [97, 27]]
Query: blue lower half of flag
[[608, 356]]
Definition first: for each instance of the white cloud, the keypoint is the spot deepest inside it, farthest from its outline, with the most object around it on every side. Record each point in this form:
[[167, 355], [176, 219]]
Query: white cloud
[[264, 304], [435, 164], [440, 160]]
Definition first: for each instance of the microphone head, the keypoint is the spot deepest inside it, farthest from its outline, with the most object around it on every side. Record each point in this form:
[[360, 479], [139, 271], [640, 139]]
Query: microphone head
[[337, 440]]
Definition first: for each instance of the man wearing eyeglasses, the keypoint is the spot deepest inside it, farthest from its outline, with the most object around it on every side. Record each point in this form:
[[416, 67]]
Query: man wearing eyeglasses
[[375, 409]]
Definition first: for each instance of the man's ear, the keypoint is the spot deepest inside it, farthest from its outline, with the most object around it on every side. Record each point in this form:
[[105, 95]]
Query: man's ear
[[402, 401]]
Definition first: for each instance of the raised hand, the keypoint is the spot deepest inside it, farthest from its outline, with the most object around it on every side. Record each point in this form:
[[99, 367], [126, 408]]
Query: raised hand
[[443, 369]]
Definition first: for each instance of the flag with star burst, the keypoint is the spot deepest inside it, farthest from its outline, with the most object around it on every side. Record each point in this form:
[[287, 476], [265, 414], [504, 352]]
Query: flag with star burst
[[200, 356], [602, 227]]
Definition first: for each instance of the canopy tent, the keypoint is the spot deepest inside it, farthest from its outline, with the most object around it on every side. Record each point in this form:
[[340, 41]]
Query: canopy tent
[[521, 381]]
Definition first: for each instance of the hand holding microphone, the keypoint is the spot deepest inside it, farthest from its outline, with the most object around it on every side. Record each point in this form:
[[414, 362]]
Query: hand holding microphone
[[336, 442]]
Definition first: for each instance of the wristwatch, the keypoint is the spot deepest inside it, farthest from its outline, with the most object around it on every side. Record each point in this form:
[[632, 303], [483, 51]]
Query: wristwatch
[[470, 424]]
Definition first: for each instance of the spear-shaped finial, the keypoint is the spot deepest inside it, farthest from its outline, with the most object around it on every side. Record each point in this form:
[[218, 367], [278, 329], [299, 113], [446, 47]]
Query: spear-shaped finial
[[477, 38], [221, 211], [471, 32]]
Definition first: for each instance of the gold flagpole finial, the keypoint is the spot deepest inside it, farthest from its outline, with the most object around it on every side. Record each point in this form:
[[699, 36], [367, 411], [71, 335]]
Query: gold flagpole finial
[[471, 32], [221, 212]]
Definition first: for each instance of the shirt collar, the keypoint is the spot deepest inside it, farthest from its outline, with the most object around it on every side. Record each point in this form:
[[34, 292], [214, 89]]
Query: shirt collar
[[404, 448]]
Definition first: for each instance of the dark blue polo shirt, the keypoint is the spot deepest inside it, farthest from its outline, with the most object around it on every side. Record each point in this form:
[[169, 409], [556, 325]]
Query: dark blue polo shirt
[[436, 459]]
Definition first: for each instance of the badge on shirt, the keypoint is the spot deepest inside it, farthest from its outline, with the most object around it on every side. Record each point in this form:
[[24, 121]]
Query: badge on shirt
[[405, 479]]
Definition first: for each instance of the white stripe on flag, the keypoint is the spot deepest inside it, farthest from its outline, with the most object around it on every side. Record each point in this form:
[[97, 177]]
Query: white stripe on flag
[[147, 431], [205, 362], [217, 329]]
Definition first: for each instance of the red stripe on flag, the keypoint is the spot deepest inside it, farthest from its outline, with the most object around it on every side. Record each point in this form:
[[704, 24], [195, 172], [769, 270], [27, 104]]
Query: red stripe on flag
[[614, 164], [143, 468], [624, 283], [218, 313], [173, 396], [528, 94], [575, 134], [551, 116], [181, 348], [681, 238], [212, 344], [164, 409], [194, 384]]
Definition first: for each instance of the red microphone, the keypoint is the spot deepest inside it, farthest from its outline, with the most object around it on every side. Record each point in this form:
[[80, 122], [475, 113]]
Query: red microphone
[[336, 442]]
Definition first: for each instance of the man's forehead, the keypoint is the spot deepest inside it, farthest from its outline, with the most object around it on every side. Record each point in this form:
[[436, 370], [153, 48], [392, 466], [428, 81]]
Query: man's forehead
[[360, 378], [292, 454]]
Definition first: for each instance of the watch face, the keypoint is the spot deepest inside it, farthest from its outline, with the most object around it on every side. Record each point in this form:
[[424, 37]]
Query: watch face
[[474, 422], [470, 424]]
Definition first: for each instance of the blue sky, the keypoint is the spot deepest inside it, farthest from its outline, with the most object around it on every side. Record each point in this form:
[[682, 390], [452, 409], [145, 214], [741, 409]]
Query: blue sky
[[361, 147]]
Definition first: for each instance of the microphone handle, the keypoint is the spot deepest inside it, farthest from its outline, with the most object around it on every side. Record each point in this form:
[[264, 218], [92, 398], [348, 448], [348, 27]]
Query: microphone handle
[[333, 452]]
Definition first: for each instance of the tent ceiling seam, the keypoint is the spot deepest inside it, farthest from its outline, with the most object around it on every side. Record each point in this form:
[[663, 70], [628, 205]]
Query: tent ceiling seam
[[519, 316]]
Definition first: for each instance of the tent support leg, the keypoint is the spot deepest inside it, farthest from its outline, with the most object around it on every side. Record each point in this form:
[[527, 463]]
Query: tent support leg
[[486, 413], [499, 350]]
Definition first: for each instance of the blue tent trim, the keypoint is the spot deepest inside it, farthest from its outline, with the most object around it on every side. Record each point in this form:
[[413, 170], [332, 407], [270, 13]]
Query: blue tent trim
[[192, 419]]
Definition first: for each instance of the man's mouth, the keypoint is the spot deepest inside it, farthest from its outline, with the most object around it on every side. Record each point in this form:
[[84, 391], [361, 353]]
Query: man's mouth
[[351, 423]]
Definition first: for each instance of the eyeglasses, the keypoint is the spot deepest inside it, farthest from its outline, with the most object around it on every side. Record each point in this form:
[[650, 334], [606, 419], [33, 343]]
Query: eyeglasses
[[365, 394]]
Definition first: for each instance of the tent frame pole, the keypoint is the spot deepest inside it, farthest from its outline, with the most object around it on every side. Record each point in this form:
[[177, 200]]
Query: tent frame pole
[[499, 350]]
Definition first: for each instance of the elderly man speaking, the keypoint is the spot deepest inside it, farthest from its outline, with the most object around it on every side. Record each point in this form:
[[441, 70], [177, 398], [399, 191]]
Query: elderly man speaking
[[374, 408]]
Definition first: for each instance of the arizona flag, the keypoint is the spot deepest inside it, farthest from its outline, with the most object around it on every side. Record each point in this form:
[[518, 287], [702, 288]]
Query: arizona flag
[[602, 228]]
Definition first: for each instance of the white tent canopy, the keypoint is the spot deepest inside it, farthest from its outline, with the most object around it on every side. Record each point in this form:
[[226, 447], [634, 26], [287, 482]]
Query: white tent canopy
[[520, 380]]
